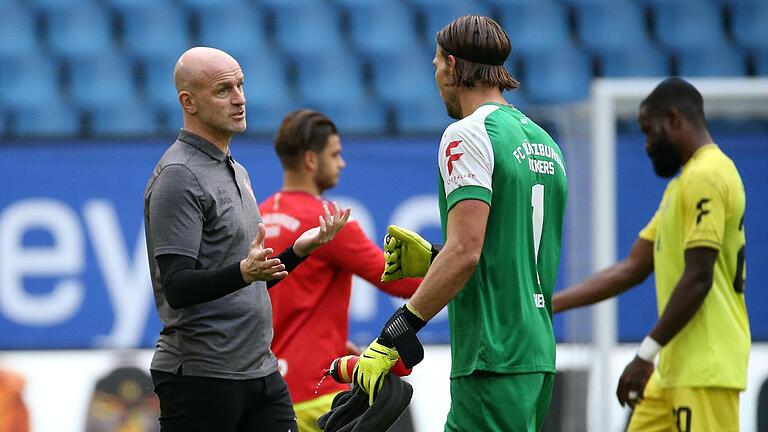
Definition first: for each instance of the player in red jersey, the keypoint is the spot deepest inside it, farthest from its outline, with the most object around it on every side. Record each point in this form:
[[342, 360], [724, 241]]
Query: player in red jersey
[[309, 308]]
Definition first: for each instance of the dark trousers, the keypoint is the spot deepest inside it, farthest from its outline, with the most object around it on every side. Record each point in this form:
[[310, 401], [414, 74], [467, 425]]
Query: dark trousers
[[200, 404]]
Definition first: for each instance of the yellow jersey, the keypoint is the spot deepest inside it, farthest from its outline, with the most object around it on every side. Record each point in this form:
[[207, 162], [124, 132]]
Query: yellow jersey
[[704, 207]]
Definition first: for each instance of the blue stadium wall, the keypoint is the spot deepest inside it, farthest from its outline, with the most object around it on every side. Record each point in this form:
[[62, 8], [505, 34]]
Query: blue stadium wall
[[71, 262]]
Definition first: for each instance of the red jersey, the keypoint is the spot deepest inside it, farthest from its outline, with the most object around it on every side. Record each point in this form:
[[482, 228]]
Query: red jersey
[[309, 307]]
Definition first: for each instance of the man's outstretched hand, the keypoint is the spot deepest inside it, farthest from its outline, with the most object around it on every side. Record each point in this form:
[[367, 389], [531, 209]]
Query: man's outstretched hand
[[330, 224], [256, 266]]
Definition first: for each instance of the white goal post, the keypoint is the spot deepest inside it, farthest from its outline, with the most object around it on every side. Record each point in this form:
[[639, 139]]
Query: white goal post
[[609, 100]]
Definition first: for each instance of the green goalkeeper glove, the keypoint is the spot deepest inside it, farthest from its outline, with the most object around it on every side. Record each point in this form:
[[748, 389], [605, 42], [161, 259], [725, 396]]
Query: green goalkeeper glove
[[397, 340], [406, 254], [372, 366]]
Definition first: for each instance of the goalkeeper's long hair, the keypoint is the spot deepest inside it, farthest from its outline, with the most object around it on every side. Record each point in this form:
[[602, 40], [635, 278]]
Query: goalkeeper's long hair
[[301, 131], [480, 47]]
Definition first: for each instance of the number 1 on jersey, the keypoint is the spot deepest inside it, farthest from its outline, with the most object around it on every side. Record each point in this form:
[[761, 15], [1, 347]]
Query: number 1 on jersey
[[537, 202]]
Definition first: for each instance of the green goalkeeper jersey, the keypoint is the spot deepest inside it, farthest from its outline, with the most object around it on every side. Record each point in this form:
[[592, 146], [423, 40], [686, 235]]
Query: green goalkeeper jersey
[[501, 320]]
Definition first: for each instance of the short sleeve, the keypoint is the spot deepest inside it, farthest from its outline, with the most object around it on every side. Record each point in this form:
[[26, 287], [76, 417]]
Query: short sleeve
[[466, 163], [176, 212], [704, 206], [649, 232]]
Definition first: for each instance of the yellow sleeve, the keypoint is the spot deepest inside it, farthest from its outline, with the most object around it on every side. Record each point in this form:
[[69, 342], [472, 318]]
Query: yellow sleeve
[[704, 206], [649, 232]]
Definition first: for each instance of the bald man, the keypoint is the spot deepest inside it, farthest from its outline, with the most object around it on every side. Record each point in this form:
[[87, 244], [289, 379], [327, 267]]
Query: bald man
[[213, 369]]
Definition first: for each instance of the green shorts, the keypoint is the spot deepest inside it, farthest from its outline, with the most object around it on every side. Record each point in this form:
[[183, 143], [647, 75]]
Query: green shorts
[[486, 401]]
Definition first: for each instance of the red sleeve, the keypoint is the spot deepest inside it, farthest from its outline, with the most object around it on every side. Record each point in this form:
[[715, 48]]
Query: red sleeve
[[352, 251]]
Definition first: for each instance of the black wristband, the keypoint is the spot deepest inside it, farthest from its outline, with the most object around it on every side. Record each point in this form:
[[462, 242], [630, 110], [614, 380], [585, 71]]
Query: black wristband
[[290, 260], [415, 322], [400, 332], [436, 248]]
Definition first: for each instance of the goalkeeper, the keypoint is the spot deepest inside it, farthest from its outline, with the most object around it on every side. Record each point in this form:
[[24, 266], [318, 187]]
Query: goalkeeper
[[498, 266]]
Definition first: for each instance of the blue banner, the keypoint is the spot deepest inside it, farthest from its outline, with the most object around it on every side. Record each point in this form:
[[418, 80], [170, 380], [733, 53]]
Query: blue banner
[[73, 265]]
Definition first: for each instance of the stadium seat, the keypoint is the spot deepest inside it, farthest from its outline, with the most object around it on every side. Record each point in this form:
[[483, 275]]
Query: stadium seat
[[290, 3], [382, 28], [54, 6], [171, 120], [438, 14], [404, 77], [307, 28], [504, 4], [528, 22], [51, 119], [330, 78], [243, 33], [634, 61], [353, 3], [101, 81], [159, 88], [264, 119], [761, 63], [689, 25], [512, 64], [356, 118], [662, 3], [517, 99], [155, 31], [17, 31], [611, 26], [265, 79], [82, 31], [750, 24], [123, 119], [129, 4], [427, 116], [580, 3], [713, 61], [234, 5], [558, 76], [28, 81]]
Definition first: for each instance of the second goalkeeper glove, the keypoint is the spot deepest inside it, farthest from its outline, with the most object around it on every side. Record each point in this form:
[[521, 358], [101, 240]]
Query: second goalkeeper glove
[[374, 363], [407, 254], [397, 339]]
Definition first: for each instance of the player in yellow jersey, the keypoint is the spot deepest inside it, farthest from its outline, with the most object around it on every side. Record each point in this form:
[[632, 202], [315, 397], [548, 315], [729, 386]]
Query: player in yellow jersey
[[695, 245]]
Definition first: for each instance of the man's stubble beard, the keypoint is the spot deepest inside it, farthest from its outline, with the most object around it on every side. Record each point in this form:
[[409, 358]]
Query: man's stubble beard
[[452, 105], [324, 181]]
